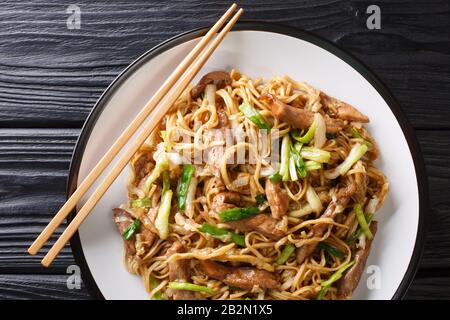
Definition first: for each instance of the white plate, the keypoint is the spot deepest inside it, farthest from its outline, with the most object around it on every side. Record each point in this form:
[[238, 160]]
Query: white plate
[[259, 50]]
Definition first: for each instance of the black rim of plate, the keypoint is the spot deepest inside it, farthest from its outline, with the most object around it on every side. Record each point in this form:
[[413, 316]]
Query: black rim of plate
[[422, 182]]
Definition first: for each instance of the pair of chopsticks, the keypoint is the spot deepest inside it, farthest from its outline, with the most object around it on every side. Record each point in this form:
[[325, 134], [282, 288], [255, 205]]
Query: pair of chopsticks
[[195, 60]]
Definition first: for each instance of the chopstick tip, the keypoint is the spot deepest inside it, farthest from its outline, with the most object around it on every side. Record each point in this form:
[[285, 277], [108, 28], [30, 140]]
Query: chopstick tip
[[45, 262], [32, 250]]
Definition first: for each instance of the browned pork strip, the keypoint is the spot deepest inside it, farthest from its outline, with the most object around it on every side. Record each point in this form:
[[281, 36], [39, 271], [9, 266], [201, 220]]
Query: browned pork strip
[[278, 200], [334, 207], [240, 277], [343, 110], [179, 270], [262, 223], [298, 118], [350, 281], [223, 120], [219, 78], [225, 200], [141, 167], [123, 219]]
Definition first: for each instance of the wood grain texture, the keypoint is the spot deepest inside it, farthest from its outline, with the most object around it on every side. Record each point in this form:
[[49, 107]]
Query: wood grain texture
[[24, 286], [433, 288], [51, 76], [34, 165]]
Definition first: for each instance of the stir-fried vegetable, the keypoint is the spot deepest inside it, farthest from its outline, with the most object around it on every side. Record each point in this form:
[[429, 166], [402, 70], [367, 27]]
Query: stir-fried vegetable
[[166, 181], [334, 277], [307, 137], [357, 135], [303, 211], [320, 137], [288, 250], [313, 200], [190, 197], [167, 145], [359, 231], [189, 286], [237, 214], [276, 177], [362, 221], [260, 199], [186, 175], [253, 115], [285, 152], [311, 165], [162, 219], [300, 167], [330, 250], [160, 167], [131, 229], [292, 169], [141, 203], [355, 154], [210, 94], [223, 234], [153, 284], [315, 154]]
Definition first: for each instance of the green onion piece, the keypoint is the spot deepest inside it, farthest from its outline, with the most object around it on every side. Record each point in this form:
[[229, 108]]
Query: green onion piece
[[213, 230], [315, 154], [223, 234], [167, 145], [189, 286], [355, 154], [307, 137], [312, 165], [260, 199], [334, 277], [253, 115], [162, 218], [359, 231], [239, 239], [331, 250], [275, 178], [141, 203], [131, 229], [166, 181], [355, 133], [362, 221], [298, 161], [285, 150], [237, 214], [153, 284], [285, 254], [160, 167], [186, 175]]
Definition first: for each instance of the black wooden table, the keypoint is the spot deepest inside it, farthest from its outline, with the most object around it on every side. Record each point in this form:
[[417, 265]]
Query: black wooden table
[[52, 73]]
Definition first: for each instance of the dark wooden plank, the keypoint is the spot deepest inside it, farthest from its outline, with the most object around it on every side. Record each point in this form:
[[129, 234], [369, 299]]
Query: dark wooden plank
[[26, 286], [51, 76], [33, 158], [433, 288], [436, 149], [33, 172]]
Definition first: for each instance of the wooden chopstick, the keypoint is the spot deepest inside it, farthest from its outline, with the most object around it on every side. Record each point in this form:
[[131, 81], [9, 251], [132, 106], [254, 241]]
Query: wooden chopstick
[[156, 117], [125, 136]]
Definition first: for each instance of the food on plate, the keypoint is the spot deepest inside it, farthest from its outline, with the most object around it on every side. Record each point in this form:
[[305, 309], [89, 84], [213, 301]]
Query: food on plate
[[253, 189]]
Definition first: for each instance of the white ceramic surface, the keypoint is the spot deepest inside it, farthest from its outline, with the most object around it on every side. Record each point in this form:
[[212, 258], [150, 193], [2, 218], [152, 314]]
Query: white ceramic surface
[[258, 53]]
